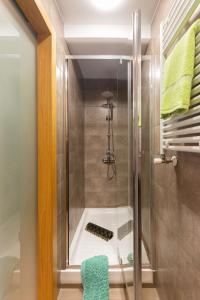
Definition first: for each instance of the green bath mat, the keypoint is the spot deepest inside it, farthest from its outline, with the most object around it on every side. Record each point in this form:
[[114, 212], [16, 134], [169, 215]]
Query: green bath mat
[[94, 274]]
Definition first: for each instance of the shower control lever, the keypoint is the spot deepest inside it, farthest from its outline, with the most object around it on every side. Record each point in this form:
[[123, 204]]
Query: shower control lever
[[109, 159], [163, 159]]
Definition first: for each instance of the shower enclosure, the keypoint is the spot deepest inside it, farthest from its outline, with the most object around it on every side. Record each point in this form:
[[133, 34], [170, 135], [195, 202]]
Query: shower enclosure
[[99, 169], [108, 156]]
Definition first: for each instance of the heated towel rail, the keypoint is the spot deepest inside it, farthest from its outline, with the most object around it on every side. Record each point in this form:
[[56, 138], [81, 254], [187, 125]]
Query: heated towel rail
[[182, 132]]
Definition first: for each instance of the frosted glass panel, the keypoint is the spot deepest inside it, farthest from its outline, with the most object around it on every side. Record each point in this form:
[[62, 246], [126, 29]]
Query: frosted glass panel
[[18, 156]]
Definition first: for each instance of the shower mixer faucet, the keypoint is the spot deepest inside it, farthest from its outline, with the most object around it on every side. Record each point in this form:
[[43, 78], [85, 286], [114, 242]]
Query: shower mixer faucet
[[109, 158]]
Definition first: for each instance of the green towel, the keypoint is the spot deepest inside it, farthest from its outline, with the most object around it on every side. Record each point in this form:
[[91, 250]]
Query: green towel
[[94, 274], [178, 74]]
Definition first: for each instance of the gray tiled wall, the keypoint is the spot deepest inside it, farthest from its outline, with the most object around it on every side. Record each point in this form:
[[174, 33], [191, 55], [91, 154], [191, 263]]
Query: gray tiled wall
[[176, 205], [99, 191], [88, 183]]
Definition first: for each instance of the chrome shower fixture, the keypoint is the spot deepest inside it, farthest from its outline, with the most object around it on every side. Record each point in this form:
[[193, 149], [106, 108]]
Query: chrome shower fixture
[[107, 95], [110, 159]]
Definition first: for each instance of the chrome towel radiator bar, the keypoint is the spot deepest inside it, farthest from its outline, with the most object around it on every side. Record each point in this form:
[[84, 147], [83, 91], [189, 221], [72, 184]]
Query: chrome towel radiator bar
[[182, 132]]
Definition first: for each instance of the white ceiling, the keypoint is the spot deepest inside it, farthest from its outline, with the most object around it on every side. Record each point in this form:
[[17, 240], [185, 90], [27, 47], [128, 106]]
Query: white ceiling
[[83, 12], [90, 31], [83, 19]]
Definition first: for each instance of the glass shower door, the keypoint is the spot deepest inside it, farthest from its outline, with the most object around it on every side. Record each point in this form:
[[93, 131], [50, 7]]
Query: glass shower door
[[18, 156], [136, 117], [124, 154], [129, 216]]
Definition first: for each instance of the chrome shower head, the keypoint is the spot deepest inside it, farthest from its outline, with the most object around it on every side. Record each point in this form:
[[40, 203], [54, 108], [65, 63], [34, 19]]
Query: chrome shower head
[[107, 95]]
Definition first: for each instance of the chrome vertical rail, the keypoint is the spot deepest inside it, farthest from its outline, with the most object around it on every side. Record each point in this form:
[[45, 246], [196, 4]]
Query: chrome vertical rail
[[136, 99], [130, 135], [66, 120]]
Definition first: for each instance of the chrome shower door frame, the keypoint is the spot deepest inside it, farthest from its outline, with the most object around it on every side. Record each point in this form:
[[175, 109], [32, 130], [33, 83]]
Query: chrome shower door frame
[[136, 102], [134, 94]]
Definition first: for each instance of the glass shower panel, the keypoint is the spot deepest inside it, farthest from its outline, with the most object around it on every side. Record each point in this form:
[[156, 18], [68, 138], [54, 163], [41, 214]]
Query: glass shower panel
[[18, 156], [134, 283], [124, 164], [145, 162], [98, 176], [125, 158], [125, 230]]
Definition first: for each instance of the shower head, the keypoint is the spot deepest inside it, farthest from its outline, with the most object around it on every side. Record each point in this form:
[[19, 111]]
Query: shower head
[[107, 95]]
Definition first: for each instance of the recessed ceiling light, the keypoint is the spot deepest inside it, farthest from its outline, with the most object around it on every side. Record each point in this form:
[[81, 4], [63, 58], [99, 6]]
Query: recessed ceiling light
[[106, 4]]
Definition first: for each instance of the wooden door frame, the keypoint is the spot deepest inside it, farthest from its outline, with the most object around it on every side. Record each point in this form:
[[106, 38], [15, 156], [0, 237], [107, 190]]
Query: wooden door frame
[[46, 124]]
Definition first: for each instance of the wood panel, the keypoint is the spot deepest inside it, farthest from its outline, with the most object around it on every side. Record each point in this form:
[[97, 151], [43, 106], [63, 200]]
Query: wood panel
[[36, 16], [46, 169], [46, 110]]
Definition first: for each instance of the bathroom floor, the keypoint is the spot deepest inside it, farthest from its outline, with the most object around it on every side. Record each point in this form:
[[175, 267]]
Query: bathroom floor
[[115, 294], [85, 245]]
